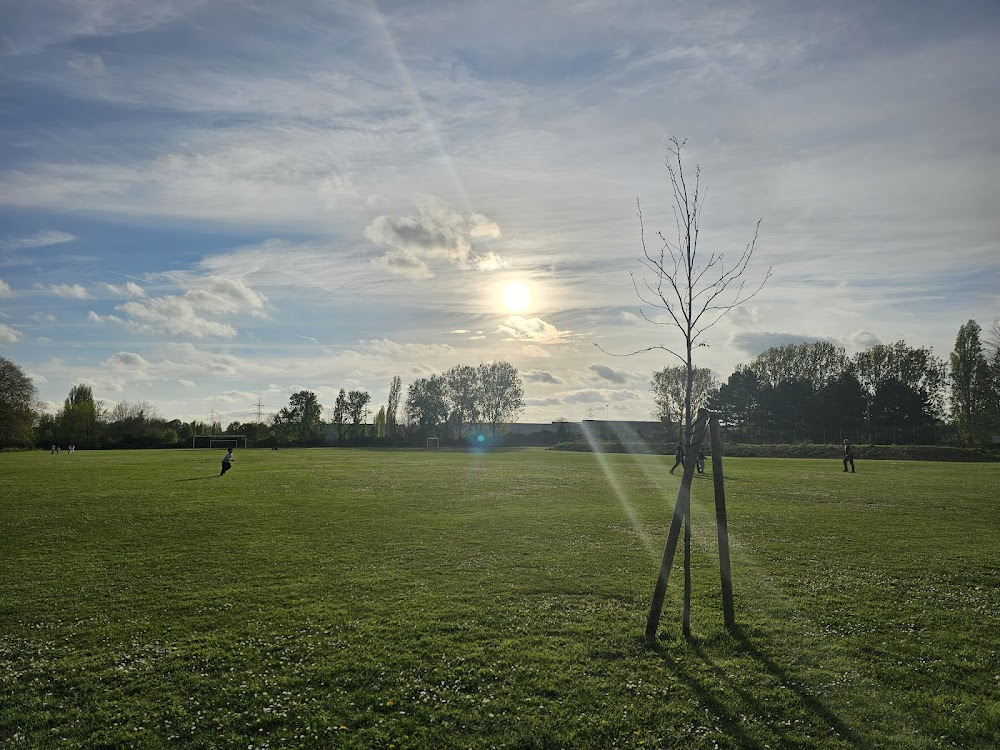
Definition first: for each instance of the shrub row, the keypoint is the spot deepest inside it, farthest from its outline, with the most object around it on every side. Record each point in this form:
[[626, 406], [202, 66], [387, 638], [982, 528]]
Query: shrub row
[[805, 450]]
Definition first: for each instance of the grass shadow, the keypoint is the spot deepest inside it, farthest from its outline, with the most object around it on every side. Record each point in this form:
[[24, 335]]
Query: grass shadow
[[196, 479], [729, 716], [814, 704]]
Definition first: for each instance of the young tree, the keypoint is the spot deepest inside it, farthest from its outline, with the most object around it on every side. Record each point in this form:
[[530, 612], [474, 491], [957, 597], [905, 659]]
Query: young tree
[[970, 385], [694, 292], [501, 394], [380, 424], [691, 293], [340, 414], [392, 408], [17, 406], [669, 387]]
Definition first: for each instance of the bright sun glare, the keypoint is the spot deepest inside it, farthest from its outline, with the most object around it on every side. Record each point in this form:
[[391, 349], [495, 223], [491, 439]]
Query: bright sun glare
[[516, 296]]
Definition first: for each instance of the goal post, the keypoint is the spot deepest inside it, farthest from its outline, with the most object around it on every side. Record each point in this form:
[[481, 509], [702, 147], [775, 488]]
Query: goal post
[[433, 442], [218, 441]]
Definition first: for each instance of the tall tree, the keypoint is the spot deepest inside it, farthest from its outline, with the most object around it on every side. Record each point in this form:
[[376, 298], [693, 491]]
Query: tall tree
[[738, 402], [670, 397], [970, 385], [992, 348], [462, 393], [380, 424], [816, 362], [501, 394], [918, 369], [426, 407], [356, 403], [842, 408], [392, 407], [303, 416], [79, 420], [17, 406]]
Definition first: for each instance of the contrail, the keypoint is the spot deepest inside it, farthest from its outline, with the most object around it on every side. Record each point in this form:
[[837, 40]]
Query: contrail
[[134, 278], [307, 338]]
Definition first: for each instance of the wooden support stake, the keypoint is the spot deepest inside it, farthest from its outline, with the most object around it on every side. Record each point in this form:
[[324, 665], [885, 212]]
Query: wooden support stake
[[682, 510], [725, 571]]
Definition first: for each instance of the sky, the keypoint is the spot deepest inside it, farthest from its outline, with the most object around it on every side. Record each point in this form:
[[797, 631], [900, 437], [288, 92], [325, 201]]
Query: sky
[[210, 205]]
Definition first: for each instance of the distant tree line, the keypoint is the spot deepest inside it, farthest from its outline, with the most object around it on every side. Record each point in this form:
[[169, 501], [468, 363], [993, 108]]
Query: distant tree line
[[488, 397], [810, 392], [814, 392]]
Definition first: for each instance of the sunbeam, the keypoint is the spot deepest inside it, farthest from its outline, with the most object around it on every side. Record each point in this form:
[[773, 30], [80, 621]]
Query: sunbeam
[[633, 519], [411, 90]]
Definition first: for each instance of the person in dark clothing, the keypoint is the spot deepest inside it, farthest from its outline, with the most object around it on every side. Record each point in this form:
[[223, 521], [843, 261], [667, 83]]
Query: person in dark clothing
[[848, 456], [700, 461], [227, 462], [678, 456]]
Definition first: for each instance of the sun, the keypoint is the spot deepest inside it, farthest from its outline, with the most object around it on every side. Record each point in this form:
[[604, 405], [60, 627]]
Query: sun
[[516, 297]]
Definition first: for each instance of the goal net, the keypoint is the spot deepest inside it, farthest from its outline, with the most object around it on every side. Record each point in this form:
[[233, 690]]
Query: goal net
[[219, 441], [433, 442]]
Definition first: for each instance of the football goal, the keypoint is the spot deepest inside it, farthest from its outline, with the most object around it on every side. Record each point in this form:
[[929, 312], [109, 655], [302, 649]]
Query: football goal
[[218, 441], [433, 442]]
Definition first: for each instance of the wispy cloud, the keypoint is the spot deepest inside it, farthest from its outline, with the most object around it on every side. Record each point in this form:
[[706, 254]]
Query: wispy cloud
[[534, 329], [44, 238]]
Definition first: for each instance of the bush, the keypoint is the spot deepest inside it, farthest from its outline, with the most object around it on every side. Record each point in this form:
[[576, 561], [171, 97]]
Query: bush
[[807, 450]]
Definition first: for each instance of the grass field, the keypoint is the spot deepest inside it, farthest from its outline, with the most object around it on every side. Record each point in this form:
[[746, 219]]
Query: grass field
[[443, 599]]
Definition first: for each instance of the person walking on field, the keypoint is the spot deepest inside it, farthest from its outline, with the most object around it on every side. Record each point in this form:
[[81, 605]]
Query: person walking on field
[[227, 462], [678, 456], [848, 456]]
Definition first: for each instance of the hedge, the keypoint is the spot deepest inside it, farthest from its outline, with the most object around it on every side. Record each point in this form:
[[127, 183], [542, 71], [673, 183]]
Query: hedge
[[805, 450]]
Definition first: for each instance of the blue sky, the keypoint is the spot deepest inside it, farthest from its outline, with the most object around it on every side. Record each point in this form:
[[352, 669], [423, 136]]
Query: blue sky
[[206, 203]]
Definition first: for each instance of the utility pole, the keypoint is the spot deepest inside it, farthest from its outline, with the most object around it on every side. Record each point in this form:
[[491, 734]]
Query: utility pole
[[259, 406]]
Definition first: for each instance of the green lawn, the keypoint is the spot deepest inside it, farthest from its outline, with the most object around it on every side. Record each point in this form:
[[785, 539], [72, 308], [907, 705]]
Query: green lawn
[[443, 599]]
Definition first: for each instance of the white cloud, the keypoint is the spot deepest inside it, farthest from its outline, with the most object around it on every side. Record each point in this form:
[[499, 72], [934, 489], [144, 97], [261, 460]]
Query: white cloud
[[127, 360], [5, 291], [435, 232], [131, 289], [44, 238], [187, 383], [860, 340], [192, 313], [67, 291], [531, 329], [8, 335]]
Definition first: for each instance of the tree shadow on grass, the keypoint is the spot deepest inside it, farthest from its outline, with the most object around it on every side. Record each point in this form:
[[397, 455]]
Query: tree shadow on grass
[[729, 715]]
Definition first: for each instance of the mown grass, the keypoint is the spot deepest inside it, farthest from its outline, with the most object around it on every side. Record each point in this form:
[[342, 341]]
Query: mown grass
[[444, 599]]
